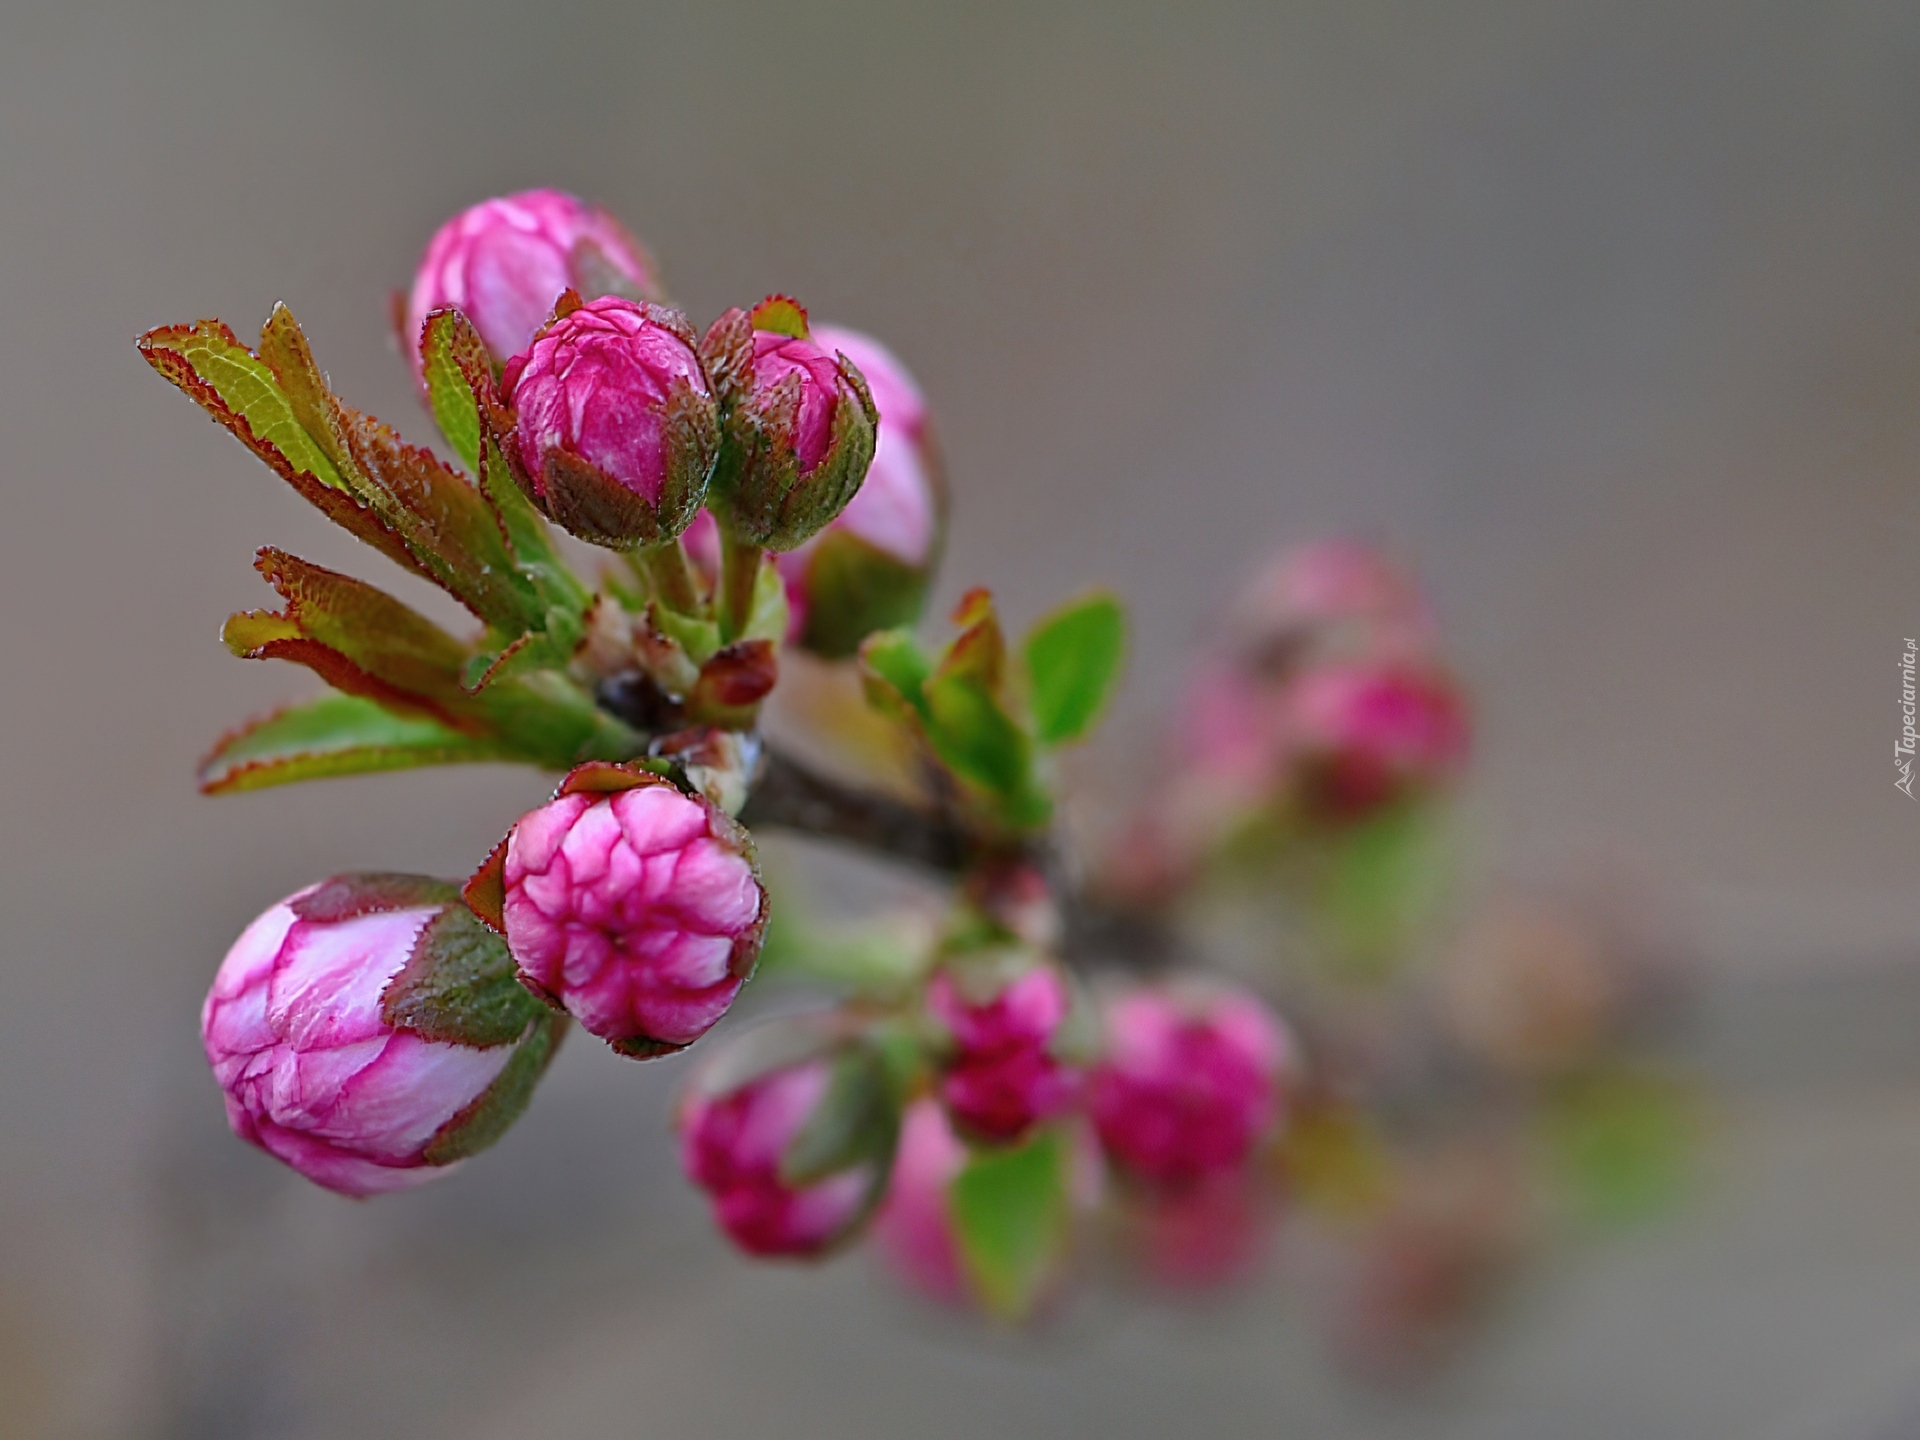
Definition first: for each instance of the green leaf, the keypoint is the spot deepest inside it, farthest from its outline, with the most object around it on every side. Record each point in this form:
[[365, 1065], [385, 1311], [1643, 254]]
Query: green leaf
[[448, 344], [981, 743], [1383, 877], [1073, 658], [895, 671], [1009, 1211], [504, 1101], [238, 388], [335, 735], [458, 985]]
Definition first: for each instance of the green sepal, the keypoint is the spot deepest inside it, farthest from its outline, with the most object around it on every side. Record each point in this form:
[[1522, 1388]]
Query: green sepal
[[854, 588], [780, 315], [699, 638], [548, 648], [1073, 658], [504, 1101], [370, 892], [458, 985], [856, 1120], [337, 734], [1009, 1209]]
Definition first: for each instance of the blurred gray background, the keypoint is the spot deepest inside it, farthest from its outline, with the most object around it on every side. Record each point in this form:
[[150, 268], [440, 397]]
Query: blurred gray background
[[1606, 315]]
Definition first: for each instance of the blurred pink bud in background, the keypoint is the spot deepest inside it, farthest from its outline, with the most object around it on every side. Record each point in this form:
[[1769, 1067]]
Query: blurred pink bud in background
[[735, 1146], [915, 1227], [503, 262], [1003, 1076], [1189, 1084], [1366, 735]]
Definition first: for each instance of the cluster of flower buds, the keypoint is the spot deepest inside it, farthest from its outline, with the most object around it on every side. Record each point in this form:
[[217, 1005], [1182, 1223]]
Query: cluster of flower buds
[[1326, 703], [1005, 1074]]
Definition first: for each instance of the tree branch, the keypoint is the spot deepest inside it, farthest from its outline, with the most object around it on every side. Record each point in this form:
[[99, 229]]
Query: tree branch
[[790, 795]]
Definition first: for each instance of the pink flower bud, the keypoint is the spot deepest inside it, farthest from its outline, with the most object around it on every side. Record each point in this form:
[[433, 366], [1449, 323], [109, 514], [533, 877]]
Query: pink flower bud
[[504, 262], [638, 912], [313, 1073], [1328, 582], [794, 1155], [1188, 1086], [1004, 1077], [914, 1225], [870, 567], [817, 384], [615, 424], [1366, 735], [799, 430]]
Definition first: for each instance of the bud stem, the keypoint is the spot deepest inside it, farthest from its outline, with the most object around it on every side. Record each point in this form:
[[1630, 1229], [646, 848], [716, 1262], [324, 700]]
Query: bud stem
[[740, 562], [666, 567]]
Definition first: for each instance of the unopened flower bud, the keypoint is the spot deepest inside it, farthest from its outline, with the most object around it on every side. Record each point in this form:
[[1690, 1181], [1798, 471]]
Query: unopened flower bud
[[502, 263], [799, 425], [791, 1133], [1189, 1084], [615, 425], [314, 1068], [1004, 1076], [870, 568], [1367, 735], [638, 911]]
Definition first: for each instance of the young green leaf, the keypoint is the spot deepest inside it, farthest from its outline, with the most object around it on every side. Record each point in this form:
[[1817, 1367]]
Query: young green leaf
[[1073, 658], [894, 670], [337, 734], [1009, 1212]]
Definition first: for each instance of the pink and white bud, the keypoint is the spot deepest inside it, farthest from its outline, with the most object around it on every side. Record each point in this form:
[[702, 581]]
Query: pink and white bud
[[615, 425], [1190, 1084], [1366, 735], [1004, 1076], [794, 1155], [502, 263], [638, 912], [312, 1071]]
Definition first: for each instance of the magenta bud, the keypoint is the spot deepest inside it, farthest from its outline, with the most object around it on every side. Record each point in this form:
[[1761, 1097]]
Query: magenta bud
[[870, 568], [791, 1134], [798, 429], [1004, 1076], [1366, 735], [502, 263], [300, 1031], [615, 426], [638, 912], [1189, 1084]]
